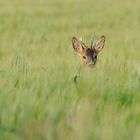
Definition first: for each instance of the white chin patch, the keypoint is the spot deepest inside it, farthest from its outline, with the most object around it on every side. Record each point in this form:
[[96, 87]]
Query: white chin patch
[[91, 65]]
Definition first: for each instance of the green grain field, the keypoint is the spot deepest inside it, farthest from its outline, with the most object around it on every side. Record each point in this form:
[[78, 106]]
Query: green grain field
[[38, 97]]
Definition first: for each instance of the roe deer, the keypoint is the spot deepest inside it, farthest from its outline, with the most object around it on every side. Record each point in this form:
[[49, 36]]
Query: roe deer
[[89, 54]]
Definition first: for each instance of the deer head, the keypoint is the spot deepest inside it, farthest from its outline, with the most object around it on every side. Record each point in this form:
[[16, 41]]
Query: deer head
[[88, 54]]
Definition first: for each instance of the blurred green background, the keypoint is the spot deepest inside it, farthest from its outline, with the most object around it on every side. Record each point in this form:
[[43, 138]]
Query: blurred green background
[[38, 98]]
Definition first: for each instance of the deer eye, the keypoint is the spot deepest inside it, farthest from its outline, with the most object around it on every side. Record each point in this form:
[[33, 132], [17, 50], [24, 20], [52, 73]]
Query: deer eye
[[84, 57], [95, 56]]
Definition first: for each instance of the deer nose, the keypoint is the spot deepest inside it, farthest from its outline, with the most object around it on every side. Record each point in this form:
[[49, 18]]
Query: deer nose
[[90, 61]]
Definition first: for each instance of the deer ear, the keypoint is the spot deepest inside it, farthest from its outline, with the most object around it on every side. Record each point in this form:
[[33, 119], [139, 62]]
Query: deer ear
[[77, 45], [100, 44]]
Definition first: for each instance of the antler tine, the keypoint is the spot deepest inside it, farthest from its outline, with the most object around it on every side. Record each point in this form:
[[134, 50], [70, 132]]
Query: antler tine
[[81, 40], [92, 39]]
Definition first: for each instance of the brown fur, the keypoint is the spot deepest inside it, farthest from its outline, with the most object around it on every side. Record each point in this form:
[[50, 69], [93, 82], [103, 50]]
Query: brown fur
[[89, 54]]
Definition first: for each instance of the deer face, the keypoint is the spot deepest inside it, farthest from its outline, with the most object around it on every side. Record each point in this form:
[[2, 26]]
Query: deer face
[[88, 54]]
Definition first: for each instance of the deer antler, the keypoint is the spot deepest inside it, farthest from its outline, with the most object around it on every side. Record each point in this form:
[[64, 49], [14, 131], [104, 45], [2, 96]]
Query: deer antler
[[83, 44], [92, 39]]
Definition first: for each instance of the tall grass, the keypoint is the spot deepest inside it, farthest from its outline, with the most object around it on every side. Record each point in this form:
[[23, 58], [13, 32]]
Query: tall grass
[[38, 98]]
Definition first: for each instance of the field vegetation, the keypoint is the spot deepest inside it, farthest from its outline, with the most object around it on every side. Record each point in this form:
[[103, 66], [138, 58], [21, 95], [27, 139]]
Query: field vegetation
[[38, 97]]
